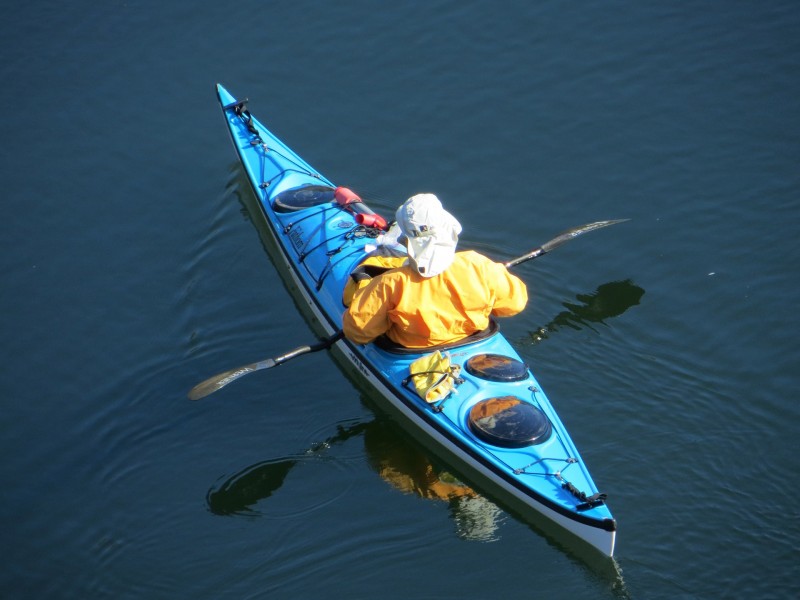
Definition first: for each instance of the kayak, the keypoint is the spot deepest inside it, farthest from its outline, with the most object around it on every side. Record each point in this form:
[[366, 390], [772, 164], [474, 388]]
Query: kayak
[[494, 423]]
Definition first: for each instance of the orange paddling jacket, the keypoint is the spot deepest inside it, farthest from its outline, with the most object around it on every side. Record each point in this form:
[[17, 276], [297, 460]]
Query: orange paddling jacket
[[419, 312]]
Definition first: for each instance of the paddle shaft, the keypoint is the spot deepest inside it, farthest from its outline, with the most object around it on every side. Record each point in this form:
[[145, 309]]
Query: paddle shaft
[[212, 384]]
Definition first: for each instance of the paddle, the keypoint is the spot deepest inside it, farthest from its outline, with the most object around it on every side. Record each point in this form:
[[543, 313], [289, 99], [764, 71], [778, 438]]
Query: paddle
[[212, 384], [560, 239]]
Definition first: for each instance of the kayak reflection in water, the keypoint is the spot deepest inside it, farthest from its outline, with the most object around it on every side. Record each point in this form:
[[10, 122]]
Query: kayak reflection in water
[[396, 459], [608, 301], [407, 468]]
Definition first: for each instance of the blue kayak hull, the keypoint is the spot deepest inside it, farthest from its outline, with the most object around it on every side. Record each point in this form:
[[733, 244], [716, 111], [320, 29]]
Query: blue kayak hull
[[315, 244]]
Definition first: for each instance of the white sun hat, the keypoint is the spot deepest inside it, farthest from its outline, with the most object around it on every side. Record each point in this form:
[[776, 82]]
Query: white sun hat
[[432, 233]]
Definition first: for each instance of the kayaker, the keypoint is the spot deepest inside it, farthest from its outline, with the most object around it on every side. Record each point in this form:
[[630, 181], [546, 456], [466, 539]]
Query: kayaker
[[440, 296]]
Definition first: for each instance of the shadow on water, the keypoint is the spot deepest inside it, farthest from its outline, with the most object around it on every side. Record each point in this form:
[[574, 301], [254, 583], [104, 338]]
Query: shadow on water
[[609, 300], [238, 494]]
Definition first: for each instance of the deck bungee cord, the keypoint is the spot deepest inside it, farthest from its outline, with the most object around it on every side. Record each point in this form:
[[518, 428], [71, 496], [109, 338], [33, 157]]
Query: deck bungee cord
[[350, 236], [587, 501], [373, 226], [240, 109], [291, 224]]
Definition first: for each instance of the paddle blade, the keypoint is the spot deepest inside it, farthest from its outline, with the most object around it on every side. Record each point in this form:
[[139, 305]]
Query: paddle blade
[[212, 384], [576, 231], [561, 238]]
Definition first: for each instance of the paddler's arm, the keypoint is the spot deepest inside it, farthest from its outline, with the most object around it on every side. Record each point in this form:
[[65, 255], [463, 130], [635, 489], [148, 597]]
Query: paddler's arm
[[368, 315], [511, 293]]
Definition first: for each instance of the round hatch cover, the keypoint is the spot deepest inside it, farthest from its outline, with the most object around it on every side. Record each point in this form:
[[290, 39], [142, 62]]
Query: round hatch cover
[[509, 422], [496, 367], [302, 197]]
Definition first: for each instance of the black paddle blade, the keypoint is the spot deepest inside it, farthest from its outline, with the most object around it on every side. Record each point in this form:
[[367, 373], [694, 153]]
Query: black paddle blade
[[570, 234], [212, 384], [562, 238]]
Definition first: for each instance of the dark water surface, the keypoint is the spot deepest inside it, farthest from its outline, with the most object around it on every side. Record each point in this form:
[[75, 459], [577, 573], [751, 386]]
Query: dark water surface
[[131, 271]]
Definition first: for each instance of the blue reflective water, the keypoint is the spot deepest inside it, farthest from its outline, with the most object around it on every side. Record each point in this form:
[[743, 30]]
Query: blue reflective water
[[132, 271]]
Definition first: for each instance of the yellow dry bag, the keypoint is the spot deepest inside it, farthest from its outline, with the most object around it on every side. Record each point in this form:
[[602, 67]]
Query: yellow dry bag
[[433, 376]]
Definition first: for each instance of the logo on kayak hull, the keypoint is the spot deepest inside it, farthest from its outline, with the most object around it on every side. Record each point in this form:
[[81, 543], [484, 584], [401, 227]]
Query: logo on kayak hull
[[296, 236]]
